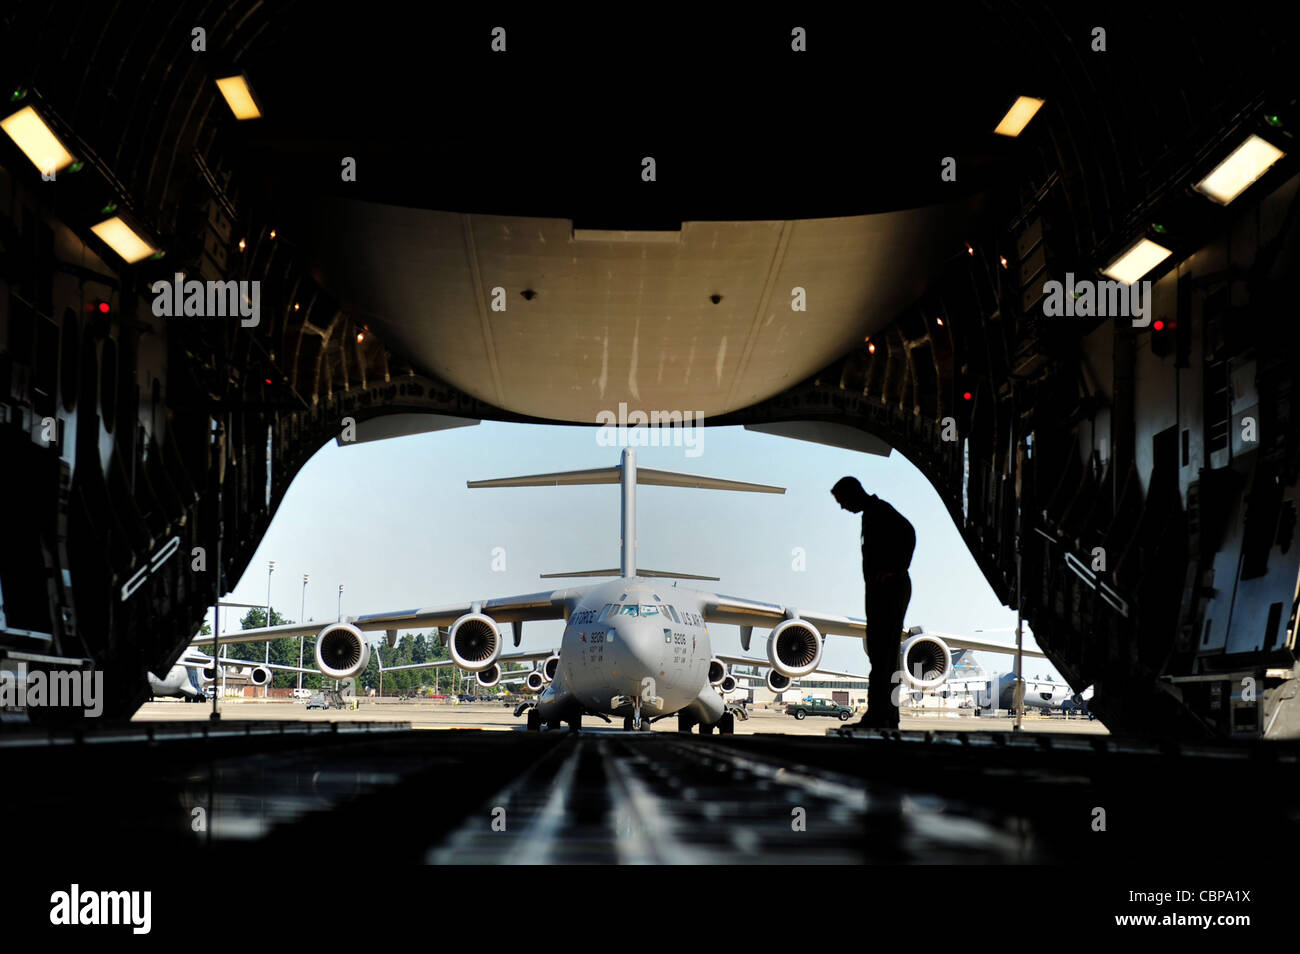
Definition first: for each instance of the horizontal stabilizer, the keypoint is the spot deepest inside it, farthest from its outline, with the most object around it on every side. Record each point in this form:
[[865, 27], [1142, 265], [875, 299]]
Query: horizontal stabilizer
[[669, 478], [612, 475], [628, 475], [565, 478], [614, 571], [554, 576]]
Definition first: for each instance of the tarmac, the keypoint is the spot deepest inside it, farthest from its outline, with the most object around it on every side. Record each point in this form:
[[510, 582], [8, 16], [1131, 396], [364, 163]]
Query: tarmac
[[499, 717]]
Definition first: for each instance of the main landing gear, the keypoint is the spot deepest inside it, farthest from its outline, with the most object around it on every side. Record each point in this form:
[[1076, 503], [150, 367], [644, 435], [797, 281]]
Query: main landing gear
[[727, 724], [552, 725], [534, 717], [724, 726]]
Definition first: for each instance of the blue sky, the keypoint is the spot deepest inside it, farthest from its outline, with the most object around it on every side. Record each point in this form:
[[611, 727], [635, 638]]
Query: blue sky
[[394, 522]]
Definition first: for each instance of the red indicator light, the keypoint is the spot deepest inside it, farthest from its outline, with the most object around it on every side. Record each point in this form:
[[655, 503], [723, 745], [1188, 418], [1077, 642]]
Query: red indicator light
[[268, 380], [1159, 325], [966, 395], [103, 308]]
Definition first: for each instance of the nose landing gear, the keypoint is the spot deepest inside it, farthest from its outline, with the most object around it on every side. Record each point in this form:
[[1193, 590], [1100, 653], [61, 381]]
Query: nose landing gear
[[636, 722]]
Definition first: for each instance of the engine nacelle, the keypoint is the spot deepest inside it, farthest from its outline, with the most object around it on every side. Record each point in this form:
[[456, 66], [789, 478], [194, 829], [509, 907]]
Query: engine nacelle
[[795, 648], [550, 666], [209, 674], [535, 682], [342, 651], [717, 671], [728, 684], [489, 677], [776, 682], [925, 661], [475, 642], [260, 676]]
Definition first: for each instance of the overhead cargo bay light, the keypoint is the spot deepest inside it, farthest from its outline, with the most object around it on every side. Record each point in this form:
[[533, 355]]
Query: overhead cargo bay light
[[1134, 262], [1238, 172], [239, 96], [29, 131], [123, 240], [1018, 116]]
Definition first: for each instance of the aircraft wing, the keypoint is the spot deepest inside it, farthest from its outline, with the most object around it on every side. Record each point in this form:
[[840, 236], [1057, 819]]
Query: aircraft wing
[[744, 612], [502, 660], [548, 604], [261, 634], [764, 664], [983, 645], [229, 661]]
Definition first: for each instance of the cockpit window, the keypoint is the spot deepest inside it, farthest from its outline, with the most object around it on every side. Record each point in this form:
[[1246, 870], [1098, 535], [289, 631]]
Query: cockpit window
[[649, 610], [604, 612], [629, 610], [673, 613]]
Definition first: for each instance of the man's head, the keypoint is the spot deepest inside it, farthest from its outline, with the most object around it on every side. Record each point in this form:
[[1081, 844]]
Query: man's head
[[848, 493]]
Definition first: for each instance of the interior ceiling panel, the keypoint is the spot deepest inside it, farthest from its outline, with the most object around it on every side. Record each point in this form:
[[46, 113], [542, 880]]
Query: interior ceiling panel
[[625, 316]]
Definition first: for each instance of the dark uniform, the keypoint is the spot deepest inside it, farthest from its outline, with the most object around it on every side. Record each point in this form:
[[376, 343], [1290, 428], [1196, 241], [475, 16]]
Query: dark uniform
[[888, 540]]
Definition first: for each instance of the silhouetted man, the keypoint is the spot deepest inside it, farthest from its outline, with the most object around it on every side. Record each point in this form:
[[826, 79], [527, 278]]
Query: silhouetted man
[[888, 540]]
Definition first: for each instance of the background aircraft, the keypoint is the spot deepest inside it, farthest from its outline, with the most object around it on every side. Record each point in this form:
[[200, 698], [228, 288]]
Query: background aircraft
[[195, 671]]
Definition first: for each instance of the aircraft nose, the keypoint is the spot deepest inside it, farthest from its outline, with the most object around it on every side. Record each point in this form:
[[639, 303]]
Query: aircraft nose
[[640, 651]]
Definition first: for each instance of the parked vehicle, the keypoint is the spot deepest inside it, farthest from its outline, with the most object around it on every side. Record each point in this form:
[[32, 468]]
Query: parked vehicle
[[818, 707]]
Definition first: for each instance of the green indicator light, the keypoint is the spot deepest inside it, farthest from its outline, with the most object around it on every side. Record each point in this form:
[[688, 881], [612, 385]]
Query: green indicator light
[[1159, 228], [76, 167], [157, 255], [109, 209], [17, 94], [1273, 120]]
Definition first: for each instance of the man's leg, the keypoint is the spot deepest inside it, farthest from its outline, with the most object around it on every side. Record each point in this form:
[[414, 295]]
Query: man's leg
[[883, 653], [887, 606]]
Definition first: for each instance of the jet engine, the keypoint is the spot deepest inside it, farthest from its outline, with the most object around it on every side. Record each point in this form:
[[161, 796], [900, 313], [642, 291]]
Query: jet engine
[[209, 674], [475, 642], [489, 677], [717, 671], [777, 682], [342, 651], [260, 676], [535, 682], [795, 648], [550, 666], [728, 684], [925, 661]]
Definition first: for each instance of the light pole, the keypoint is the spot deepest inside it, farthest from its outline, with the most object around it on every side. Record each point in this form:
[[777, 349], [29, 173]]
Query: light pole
[[302, 618]]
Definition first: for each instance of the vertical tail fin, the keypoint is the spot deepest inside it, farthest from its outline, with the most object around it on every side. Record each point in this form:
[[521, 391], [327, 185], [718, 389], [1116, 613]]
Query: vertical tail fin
[[627, 543]]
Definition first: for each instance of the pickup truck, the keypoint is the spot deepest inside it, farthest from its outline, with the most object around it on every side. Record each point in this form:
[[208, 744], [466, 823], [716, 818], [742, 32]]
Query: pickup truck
[[818, 707]]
